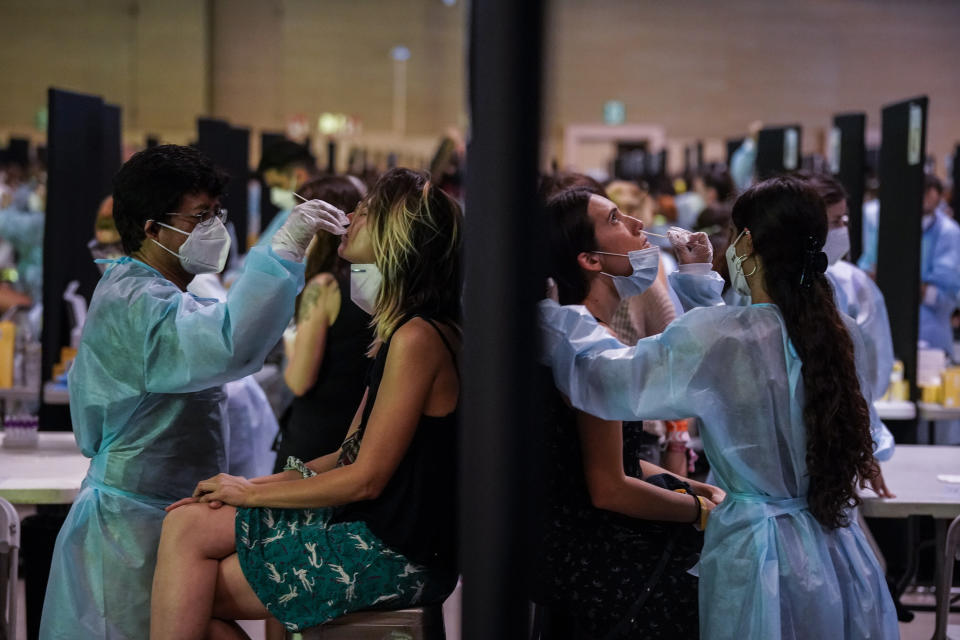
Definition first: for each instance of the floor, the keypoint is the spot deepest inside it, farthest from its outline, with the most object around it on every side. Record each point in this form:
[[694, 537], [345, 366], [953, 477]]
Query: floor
[[920, 629]]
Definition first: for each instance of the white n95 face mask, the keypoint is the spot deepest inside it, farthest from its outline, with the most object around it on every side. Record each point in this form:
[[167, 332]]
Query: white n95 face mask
[[365, 282], [646, 265], [282, 199], [837, 244], [206, 248], [735, 266]]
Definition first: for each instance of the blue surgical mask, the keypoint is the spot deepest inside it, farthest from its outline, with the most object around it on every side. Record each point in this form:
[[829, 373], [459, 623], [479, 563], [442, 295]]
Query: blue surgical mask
[[646, 265]]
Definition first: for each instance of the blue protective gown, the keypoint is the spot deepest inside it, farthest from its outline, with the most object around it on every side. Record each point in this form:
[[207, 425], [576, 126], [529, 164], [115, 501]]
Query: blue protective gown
[[24, 230], [768, 569], [940, 270], [743, 164], [869, 235], [859, 297], [148, 408]]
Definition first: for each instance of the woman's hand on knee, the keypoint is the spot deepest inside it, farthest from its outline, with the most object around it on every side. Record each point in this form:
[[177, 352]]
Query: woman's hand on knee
[[213, 504], [224, 489]]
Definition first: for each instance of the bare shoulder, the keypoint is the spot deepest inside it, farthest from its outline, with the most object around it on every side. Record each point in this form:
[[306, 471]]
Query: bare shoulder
[[418, 338]]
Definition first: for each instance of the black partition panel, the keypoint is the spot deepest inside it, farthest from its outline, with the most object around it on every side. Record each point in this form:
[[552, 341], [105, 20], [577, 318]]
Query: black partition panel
[[268, 210], [83, 152], [18, 150], [848, 158], [901, 208], [778, 150], [237, 200], [111, 134], [229, 148], [499, 441]]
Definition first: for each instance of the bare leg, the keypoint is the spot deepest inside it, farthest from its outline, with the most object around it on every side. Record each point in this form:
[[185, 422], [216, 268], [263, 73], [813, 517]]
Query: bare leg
[[225, 630], [194, 539], [234, 598]]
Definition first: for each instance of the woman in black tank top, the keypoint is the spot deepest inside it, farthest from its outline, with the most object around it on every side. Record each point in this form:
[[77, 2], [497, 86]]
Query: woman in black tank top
[[372, 525], [326, 361]]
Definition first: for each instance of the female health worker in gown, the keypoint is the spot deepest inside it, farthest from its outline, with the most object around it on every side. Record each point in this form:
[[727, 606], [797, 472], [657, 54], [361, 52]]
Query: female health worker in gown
[[788, 427], [146, 388]]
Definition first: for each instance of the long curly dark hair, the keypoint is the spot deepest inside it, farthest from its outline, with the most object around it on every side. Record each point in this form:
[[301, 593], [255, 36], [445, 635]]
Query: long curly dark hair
[[788, 224]]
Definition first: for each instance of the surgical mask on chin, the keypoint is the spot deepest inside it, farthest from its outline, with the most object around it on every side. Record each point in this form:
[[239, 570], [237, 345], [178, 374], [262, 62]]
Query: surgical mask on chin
[[837, 244], [282, 199], [365, 282], [646, 265], [735, 266], [206, 248]]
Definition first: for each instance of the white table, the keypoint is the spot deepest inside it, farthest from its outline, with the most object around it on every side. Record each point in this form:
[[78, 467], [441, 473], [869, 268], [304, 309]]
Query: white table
[[911, 475], [895, 409], [50, 474]]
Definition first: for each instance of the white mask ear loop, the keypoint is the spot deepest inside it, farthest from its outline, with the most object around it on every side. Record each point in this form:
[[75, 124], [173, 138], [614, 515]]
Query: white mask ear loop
[[741, 259]]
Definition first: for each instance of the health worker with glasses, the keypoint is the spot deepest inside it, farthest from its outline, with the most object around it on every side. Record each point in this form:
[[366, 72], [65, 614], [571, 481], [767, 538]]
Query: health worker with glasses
[[146, 388]]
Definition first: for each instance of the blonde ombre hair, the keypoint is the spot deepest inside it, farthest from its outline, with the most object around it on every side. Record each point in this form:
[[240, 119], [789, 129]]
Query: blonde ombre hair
[[415, 230]]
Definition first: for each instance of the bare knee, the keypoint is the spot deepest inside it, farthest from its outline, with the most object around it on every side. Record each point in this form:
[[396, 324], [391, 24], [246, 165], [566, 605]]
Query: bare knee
[[197, 527]]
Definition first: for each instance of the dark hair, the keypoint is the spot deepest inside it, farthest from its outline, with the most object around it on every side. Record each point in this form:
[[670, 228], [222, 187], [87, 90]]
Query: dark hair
[[322, 257], [826, 186], [154, 181], [720, 181], [553, 183], [788, 225], [569, 233], [286, 154], [931, 181]]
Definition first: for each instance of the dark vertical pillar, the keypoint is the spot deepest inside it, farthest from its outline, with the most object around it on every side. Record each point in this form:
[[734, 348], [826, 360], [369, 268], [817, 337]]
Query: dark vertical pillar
[[898, 251], [504, 280], [778, 151], [848, 155]]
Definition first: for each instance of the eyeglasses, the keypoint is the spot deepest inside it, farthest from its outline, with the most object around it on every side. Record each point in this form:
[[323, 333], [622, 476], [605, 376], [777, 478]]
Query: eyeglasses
[[203, 216]]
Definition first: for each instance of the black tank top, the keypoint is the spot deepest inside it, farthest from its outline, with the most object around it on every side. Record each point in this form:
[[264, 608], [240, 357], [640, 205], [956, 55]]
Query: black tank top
[[320, 418], [416, 513]]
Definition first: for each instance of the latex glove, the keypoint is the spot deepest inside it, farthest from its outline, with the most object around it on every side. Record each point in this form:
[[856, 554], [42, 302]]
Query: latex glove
[[690, 247], [553, 292], [304, 222]]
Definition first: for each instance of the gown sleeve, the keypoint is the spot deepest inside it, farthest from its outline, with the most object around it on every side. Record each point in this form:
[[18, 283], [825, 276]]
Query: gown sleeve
[[190, 347], [604, 378]]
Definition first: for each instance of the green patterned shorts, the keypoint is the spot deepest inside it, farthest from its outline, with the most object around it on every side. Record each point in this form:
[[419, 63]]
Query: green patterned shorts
[[307, 571]]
